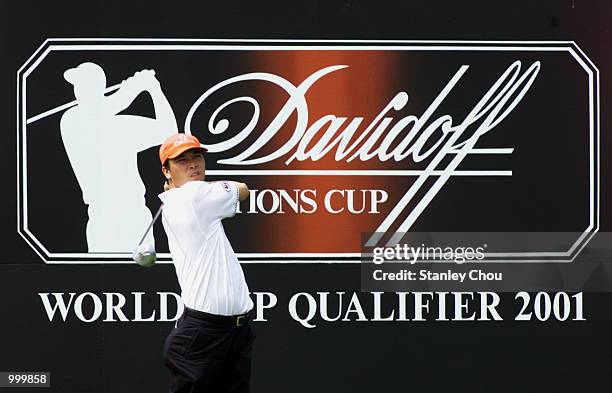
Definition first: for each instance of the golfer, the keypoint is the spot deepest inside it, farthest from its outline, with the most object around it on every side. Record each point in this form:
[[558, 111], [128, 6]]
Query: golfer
[[113, 190], [209, 350]]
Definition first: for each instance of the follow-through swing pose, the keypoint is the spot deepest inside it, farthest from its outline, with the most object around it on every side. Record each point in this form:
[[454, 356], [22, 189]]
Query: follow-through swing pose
[[209, 350]]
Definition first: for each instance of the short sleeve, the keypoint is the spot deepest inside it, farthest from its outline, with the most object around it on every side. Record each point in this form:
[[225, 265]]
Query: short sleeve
[[219, 199]]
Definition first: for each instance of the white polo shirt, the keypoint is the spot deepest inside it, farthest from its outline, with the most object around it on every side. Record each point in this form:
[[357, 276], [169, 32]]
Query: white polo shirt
[[208, 271]]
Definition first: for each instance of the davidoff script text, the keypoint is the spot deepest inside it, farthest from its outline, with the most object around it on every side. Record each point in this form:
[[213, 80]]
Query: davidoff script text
[[424, 138]]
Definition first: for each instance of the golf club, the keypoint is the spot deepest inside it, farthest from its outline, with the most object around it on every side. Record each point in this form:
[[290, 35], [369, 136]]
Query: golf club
[[145, 254]]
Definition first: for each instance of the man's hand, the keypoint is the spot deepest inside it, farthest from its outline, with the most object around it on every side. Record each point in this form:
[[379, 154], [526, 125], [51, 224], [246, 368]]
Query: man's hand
[[243, 191]]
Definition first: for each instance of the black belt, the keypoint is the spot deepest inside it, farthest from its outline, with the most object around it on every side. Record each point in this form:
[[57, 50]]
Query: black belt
[[233, 320]]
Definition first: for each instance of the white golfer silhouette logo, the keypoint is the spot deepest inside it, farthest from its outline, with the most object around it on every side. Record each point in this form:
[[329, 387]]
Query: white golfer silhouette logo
[[102, 147]]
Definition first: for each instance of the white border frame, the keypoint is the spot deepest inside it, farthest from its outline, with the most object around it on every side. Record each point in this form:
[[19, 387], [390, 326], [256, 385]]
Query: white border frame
[[63, 44]]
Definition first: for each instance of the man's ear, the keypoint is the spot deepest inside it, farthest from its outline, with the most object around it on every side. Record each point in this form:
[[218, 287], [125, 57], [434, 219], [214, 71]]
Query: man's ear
[[166, 173]]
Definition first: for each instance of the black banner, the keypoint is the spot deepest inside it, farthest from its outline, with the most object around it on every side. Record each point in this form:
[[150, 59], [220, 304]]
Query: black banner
[[429, 190]]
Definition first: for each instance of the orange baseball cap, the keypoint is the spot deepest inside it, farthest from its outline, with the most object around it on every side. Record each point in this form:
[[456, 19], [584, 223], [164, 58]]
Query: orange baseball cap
[[177, 144]]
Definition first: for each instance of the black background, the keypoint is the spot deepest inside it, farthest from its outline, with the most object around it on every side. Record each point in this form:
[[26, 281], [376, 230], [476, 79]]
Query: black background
[[341, 357], [542, 183]]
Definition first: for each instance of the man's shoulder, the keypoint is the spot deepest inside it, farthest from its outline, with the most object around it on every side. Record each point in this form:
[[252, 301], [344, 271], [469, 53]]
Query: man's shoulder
[[180, 192], [197, 191], [193, 190], [194, 185], [186, 190], [199, 186]]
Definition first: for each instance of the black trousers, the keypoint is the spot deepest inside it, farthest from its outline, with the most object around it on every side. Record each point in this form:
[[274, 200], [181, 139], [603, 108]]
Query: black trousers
[[210, 356]]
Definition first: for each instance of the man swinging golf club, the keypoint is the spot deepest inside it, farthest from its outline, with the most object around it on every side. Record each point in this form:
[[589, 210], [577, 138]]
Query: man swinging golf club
[[209, 350]]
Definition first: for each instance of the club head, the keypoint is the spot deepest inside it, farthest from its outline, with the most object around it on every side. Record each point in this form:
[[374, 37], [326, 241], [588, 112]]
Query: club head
[[145, 254], [148, 259]]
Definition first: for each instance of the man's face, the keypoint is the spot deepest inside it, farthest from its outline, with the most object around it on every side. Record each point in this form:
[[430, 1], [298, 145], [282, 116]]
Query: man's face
[[187, 167]]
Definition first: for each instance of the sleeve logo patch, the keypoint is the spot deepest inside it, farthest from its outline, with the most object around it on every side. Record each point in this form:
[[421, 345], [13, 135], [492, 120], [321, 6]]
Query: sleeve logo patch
[[226, 186]]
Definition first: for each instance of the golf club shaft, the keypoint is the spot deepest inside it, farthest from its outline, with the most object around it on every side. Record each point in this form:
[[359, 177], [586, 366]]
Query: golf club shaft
[[65, 106], [151, 224]]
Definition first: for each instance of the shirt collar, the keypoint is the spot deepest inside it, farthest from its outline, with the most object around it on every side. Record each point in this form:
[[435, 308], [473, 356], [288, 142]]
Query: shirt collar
[[163, 196]]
